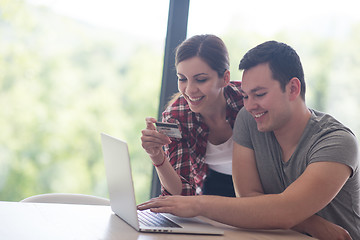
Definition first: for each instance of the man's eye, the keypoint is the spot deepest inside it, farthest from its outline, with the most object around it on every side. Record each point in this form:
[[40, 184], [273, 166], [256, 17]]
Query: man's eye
[[245, 97], [261, 94]]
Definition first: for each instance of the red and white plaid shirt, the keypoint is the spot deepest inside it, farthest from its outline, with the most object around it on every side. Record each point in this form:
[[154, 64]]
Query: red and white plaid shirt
[[187, 155]]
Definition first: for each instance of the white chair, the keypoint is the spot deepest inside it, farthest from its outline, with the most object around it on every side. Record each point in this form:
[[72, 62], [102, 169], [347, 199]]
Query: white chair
[[67, 198]]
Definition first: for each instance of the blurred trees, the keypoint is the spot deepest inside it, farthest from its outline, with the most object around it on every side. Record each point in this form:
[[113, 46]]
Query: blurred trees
[[331, 65], [62, 82]]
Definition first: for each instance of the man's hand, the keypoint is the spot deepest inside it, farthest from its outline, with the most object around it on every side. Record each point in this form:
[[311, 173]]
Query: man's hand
[[322, 229], [182, 206]]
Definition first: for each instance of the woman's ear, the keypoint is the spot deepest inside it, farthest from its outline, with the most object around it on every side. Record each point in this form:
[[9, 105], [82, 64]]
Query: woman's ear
[[226, 78], [294, 87]]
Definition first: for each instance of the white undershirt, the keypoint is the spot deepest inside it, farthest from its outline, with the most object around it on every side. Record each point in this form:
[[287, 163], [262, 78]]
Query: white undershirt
[[219, 157]]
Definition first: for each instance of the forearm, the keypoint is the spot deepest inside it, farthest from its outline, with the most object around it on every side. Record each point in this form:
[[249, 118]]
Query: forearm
[[169, 179], [293, 208], [263, 212]]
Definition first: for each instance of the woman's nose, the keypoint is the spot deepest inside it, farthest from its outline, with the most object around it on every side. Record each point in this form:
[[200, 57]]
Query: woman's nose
[[191, 87]]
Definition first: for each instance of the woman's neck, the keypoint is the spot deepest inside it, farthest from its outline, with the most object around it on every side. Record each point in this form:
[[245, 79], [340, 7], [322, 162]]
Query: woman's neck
[[215, 113]]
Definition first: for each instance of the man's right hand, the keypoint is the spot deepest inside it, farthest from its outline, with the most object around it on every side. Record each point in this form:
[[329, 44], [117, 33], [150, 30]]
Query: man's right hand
[[322, 229]]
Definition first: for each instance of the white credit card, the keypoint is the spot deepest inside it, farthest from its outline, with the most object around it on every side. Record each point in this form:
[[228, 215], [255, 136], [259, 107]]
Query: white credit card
[[169, 129]]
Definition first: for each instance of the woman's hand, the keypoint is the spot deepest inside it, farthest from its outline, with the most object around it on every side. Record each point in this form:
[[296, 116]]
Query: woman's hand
[[152, 141]]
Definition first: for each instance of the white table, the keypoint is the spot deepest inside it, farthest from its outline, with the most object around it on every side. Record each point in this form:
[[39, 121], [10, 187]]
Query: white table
[[27, 221]]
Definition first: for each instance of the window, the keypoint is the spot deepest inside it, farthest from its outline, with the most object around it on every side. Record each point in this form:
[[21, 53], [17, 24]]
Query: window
[[70, 70], [324, 33]]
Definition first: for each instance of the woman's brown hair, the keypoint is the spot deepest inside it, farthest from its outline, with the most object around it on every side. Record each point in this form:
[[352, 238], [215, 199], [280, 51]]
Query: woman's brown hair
[[209, 48]]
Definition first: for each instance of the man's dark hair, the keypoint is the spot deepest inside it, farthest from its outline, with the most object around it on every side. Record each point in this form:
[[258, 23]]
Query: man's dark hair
[[283, 61]]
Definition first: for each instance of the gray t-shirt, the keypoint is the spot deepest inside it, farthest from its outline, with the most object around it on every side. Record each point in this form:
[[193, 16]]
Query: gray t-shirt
[[324, 140]]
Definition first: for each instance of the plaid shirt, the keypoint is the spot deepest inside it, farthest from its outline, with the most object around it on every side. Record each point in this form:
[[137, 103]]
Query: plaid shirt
[[187, 155]]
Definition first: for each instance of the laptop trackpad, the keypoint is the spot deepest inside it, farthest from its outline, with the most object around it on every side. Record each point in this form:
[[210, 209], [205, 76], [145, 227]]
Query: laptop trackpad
[[181, 220]]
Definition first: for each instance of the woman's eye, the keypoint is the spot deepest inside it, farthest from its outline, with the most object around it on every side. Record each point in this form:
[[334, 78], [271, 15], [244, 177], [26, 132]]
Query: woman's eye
[[181, 79], [201, 80]]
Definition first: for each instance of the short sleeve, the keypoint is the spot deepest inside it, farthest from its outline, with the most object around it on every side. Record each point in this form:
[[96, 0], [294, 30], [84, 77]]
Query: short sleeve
[[241, 132], [338, 146]]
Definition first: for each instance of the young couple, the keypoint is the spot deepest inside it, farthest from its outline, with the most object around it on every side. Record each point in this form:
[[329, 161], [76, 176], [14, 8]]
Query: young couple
[[292, 167]]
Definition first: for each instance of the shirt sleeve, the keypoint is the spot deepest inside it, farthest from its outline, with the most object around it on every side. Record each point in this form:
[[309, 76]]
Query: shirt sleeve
[[338, 146], [179, 156], [241, 131]]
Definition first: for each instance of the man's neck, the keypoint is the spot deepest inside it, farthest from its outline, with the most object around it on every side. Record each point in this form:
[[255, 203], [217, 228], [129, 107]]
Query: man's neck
[[289, 136]]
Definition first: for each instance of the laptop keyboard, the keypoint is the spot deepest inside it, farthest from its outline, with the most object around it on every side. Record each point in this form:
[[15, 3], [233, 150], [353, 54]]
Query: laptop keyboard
[[151, 219]]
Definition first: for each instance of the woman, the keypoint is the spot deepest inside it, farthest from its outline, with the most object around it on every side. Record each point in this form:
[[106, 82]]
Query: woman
[[205, 111]]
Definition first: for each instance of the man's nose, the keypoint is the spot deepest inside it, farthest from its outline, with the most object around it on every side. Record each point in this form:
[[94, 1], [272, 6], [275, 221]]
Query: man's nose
[[250, 104]]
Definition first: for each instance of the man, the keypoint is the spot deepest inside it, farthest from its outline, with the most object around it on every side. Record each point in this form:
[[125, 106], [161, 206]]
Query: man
[[293, 167]]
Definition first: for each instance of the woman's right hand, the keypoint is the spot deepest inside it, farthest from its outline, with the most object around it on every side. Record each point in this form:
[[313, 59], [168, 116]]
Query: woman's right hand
[[151, 140]]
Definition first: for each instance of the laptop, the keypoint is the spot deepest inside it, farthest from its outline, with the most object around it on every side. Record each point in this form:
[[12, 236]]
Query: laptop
[[122, 196]]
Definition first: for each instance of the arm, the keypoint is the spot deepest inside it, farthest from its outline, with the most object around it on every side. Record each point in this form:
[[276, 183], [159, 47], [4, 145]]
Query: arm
[[247, 183], [245, 175], [175, 172], [152, 142], [311, 192]]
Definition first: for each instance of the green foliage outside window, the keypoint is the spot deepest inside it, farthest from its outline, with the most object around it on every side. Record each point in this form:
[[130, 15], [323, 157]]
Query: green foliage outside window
[[62, 82]]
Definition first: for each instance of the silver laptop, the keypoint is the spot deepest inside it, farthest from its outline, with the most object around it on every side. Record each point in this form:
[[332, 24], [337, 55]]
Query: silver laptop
[[122, 196]]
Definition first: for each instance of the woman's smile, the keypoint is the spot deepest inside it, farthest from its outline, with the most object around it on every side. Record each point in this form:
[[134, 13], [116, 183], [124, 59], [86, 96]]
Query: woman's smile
[[194, 100]]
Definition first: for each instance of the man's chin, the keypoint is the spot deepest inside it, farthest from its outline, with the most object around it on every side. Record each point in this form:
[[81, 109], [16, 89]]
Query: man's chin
[[262, 129]]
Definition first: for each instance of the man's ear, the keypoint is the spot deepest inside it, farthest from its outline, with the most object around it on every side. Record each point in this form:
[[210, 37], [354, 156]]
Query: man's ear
[[294, 88]]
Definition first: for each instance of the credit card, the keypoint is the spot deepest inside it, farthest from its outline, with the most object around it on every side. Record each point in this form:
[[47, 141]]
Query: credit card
[[169, 129]]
